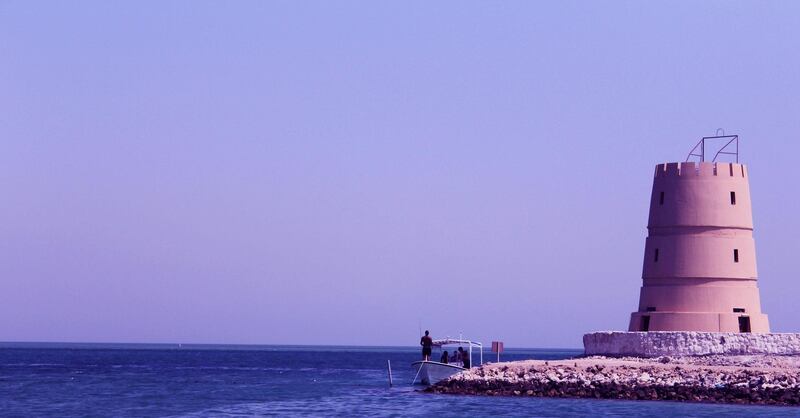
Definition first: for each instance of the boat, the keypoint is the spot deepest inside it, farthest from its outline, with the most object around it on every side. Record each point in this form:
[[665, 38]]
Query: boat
[[428, 372]]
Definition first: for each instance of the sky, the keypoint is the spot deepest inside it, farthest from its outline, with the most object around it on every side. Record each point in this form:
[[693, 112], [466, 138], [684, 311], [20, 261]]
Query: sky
[[350, 172]]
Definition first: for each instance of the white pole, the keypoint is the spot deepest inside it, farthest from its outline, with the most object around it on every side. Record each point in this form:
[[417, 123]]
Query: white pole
[[419, 370], [389, 363]]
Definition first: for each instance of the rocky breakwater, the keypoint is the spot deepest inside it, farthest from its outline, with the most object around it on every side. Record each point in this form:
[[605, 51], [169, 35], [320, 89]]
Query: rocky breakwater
[[755, 379]]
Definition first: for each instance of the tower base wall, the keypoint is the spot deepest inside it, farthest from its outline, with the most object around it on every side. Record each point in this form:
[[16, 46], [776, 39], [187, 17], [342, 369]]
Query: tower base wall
[[698, 321], [656, 344]]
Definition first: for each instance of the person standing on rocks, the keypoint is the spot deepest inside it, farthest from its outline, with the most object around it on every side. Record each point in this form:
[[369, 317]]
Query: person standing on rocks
[[427, 343]]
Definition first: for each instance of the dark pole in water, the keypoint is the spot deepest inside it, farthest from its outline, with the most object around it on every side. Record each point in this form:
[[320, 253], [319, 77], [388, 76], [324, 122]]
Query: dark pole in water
[[389, 364]]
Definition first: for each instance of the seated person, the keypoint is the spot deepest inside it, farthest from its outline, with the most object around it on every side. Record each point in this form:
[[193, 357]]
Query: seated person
[[444, 357], [464, 358]]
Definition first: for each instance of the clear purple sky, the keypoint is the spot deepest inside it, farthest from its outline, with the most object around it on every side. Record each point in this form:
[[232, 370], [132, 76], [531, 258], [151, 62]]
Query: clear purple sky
[[341, 172]]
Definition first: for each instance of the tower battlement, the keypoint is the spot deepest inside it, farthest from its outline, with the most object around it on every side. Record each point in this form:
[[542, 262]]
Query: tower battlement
[[701, 169]]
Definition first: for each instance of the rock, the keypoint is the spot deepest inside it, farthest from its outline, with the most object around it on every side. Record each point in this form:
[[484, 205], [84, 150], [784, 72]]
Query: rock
[[754, 379]]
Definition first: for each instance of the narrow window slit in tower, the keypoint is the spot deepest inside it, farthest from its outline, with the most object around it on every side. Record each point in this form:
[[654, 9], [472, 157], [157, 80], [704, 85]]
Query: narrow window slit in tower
[[656, 257], [738, 310], [661, 199], [736, 255], [733, 198], [731, 168], [651, 309]]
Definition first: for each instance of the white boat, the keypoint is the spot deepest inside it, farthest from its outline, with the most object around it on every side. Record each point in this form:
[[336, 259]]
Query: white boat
[[429, 372]]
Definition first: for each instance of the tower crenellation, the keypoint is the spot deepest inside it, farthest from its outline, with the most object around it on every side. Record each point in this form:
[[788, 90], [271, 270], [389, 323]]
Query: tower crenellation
[[701, 169]]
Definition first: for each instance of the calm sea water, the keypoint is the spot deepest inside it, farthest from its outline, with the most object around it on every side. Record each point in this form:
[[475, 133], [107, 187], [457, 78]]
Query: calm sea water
[[197, 380]]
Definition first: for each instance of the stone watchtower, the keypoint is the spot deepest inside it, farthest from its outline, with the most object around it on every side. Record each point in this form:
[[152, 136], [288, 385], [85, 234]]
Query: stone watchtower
[[700, 261]]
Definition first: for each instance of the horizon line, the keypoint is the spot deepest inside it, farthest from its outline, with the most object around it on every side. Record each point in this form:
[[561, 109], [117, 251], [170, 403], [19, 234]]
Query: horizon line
[[180, 344]]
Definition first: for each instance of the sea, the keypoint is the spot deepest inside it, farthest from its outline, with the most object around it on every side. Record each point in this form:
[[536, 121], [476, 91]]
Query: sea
[[170, 380]]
